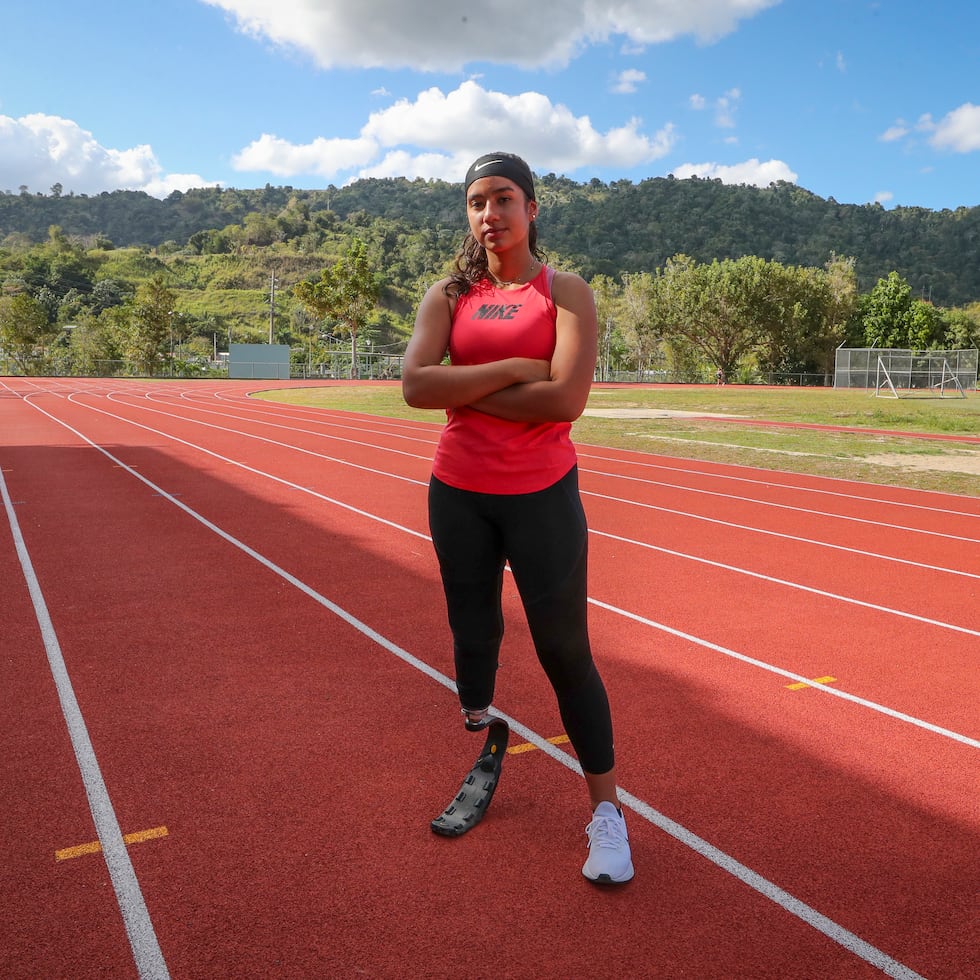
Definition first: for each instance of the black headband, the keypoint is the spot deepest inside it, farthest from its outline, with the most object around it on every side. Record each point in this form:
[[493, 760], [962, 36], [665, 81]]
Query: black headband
[[502, 165]]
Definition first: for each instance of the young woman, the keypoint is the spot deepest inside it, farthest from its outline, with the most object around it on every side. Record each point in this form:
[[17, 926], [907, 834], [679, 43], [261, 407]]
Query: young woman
[[521, 340]]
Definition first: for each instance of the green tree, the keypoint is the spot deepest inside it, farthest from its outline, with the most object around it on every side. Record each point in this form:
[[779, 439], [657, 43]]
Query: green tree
[[25, 331], [148, 327], [797, 313], [347, 293], [93, 344], [768, 301], [260, 229], [642, 319], [841, 303], [711, 307], [607, 300], [886, 313], [963, 328], [106, 293], [926, 326]]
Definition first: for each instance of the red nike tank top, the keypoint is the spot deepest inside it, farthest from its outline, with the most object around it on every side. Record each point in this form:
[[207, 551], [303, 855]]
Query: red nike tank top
[[484, 453]]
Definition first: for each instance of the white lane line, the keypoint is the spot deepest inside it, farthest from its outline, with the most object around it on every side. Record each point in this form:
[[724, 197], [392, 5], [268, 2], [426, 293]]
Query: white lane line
[[226, 414], [798, 510], [336, 418], [887, 610], [817, 920], [776, 485], [136, 917], [824, 688], [779, 534], [835, 596], [635, 503], [385, 426], [339, 420], [252, 469], [807, 914]]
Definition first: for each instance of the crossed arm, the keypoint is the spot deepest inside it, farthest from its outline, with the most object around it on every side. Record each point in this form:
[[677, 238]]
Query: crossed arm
[[517, 388]]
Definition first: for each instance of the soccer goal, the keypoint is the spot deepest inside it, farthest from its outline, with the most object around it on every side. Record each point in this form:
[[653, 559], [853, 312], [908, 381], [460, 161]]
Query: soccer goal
[[907, 373]]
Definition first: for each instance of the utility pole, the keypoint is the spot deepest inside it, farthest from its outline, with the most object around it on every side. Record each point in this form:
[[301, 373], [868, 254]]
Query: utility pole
[[272, 306]]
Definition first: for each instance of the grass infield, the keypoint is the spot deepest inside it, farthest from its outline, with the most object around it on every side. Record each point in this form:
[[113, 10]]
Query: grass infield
[[872, 439]]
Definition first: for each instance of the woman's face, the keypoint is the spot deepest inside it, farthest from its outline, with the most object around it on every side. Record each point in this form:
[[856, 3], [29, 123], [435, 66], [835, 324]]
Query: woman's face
[[499, 213]]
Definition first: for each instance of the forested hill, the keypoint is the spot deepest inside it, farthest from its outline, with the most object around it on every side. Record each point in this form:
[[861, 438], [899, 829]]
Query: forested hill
[[600, 228]]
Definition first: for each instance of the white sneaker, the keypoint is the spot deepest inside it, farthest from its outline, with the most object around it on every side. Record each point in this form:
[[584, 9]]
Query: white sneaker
[[610, 862]]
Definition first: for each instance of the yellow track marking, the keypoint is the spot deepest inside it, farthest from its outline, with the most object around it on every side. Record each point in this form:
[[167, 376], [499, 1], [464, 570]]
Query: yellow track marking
[[816, 680], [530, 746], [94, 847]]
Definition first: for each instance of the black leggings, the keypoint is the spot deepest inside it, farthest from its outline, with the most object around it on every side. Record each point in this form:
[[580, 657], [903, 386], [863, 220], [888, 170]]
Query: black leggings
[[544, 537]]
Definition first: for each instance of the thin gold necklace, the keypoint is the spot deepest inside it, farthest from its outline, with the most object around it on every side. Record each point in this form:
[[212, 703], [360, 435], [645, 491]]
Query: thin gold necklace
[[520, 280]]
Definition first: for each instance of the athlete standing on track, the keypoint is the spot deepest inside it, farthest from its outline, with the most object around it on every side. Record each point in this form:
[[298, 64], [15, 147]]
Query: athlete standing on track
[[521, 340]]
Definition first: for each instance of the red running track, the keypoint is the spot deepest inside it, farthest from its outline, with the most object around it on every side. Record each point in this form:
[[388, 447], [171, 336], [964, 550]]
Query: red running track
[[228, 713]]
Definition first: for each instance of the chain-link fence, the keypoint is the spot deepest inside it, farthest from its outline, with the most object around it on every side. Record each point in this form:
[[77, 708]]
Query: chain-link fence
[[932, 371]]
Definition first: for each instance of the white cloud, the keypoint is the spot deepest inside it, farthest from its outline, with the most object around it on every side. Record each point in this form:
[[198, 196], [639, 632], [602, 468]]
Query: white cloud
[[896, 132], [40, 151], [323, 157], [626, 82], [749, 172], [958, 130], [883, 197], [429, 166], [439, 134], [725, 108], [393, 34], [436, 135]]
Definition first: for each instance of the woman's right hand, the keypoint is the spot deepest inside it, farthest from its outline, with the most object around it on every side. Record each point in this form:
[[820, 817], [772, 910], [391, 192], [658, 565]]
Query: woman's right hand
[[530, 369]]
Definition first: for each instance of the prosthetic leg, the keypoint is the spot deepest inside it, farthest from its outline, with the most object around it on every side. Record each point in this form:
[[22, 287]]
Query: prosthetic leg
[[469, 805]]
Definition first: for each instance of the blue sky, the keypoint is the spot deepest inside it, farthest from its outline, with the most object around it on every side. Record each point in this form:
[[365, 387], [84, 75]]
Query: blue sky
[[856, 100]]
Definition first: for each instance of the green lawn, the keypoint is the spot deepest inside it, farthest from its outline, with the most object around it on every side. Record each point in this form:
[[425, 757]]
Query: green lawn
[[899, 459]]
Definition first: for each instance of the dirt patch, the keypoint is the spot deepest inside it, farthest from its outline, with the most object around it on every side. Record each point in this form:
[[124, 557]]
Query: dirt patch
[[652, 413], [966, 462]]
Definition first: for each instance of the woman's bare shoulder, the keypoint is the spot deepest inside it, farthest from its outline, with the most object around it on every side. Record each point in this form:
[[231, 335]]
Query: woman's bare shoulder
[[569, 288]]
